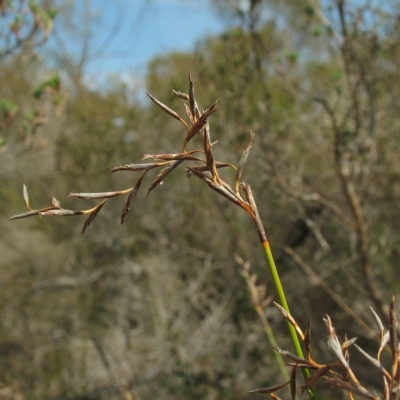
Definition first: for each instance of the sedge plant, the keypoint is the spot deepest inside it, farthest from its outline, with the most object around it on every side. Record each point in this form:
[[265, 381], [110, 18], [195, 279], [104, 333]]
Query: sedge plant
[[205, 167], [338, 373]]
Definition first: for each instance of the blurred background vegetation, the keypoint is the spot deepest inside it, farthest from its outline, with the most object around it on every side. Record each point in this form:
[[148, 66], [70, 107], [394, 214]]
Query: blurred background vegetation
[[158, 308]]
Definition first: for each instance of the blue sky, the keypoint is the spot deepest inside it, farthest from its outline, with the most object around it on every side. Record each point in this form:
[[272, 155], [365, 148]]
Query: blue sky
[[140, 30], [166, 25]]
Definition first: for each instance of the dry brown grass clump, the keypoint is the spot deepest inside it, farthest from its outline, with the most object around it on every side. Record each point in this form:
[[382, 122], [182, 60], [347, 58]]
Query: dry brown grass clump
[[338, 373]]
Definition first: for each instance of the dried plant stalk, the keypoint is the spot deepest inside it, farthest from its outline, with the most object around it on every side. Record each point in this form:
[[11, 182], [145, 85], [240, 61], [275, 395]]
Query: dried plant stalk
[[339, 374]]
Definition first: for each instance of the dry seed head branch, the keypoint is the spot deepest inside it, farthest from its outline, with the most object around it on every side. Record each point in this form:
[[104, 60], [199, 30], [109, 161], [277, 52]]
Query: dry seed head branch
[[206, 169]]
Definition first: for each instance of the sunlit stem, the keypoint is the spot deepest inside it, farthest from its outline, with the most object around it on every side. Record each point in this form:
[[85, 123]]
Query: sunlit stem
[[284, 304]]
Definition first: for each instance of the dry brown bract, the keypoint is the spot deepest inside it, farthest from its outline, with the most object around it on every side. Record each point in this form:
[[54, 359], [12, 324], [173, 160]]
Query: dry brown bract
[[338, 373]]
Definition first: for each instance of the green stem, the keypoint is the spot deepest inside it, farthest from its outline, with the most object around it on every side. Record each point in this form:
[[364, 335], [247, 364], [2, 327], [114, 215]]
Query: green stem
[[284, 304], [271, 338]]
